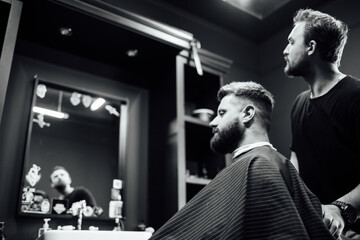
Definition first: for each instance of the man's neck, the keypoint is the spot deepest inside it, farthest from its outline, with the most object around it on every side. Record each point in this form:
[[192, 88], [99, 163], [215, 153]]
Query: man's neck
[[254, 137], [68, 190], [245, 148], [323, 79]]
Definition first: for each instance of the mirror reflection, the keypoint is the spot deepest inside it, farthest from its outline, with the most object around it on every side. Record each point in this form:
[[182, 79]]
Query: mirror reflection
[[73, 152]]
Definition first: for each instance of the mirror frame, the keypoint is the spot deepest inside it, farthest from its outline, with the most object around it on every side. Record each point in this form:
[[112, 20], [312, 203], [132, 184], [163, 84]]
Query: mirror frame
[[122, 145]]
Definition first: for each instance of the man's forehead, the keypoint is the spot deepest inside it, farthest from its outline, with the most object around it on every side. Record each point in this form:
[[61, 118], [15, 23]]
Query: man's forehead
[[297, 30], [230, 100], [59, 171]]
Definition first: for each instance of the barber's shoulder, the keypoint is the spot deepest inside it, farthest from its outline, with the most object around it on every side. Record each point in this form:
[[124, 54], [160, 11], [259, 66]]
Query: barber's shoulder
[[351, 92], [300, 99], [82, 188], [303, 96], [351, 84]]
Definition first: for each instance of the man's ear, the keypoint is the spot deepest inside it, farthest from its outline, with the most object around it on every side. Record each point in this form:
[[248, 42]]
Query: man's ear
[[311, 47], [248, 114]]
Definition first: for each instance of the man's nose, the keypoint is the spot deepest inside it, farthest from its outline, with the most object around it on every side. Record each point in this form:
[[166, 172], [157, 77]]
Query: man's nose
[[213, 123], [286, 52]]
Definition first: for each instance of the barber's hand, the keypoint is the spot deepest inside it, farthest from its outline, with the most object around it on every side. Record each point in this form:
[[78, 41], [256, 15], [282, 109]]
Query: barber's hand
[[333, 220], [350, 235]]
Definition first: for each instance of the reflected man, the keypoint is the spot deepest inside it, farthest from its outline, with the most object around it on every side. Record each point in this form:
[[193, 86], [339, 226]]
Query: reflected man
[[61, 181]]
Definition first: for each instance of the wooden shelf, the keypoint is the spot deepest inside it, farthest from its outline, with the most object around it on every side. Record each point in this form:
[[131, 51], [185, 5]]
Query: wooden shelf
[[190, 136]]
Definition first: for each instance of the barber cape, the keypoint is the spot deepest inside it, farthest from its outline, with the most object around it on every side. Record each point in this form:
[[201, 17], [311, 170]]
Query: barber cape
[[259, 196]]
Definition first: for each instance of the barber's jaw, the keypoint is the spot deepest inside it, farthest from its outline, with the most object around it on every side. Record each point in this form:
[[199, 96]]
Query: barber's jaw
[[227, 128], [60, 180], [295, 53]]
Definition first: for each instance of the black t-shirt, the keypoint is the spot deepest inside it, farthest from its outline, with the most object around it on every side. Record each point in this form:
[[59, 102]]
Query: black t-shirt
[[326, 139], [81, 193]]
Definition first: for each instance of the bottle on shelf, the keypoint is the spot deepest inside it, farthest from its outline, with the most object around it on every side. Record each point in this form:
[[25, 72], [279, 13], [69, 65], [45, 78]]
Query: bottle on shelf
[[116, 203]]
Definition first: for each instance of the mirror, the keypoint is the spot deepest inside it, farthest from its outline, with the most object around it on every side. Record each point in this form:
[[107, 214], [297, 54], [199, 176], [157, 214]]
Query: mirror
[[80, 133]]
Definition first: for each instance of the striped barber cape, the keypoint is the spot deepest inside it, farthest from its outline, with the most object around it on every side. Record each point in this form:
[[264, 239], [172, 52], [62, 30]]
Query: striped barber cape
[[259, 196]]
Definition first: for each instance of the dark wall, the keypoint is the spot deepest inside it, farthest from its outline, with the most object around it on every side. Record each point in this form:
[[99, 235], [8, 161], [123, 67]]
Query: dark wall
[[99, 78]]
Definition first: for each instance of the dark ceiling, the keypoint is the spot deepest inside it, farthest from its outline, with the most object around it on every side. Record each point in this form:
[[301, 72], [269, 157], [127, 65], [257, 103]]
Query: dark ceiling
[[95, 39], [91, 37], [239, 22]]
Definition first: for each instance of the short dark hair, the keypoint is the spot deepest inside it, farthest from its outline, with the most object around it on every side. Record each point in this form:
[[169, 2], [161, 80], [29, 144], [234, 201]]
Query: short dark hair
[[58, 168], [55, 169], [254, 92], [329, 33]]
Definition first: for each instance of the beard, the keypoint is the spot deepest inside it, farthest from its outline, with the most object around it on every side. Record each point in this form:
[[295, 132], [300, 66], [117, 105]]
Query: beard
[[60, 187], [298, 69], [227, 140]]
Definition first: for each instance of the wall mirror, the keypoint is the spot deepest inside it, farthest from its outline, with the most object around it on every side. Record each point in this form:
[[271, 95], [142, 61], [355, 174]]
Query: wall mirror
[[81, 131]]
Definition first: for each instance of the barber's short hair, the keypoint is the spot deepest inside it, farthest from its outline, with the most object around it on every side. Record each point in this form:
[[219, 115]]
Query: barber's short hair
[[58, 168], [255, 93], [329, 33]]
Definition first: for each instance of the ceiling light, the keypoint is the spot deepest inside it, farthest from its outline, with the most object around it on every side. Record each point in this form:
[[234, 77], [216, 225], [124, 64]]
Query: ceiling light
[[96, 104], [65, 31], [258, 8], [51, 113]]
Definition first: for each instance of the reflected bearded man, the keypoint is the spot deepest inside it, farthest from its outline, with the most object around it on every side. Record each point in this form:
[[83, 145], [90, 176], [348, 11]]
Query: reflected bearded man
[[260, 194], [61, 181]]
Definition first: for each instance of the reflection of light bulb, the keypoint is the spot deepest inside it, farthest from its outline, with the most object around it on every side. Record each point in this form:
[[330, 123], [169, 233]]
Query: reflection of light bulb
[[51, 113], [75, 98], [97, 103], [41, 90], [86, 100]]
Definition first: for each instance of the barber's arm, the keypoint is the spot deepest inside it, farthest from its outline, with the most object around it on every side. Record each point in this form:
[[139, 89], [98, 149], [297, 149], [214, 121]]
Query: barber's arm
[[342, 217], [332, 214], [343, 212]]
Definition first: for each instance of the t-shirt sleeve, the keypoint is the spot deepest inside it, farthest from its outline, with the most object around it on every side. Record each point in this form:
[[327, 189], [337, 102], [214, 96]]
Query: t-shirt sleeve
[[88, 197]]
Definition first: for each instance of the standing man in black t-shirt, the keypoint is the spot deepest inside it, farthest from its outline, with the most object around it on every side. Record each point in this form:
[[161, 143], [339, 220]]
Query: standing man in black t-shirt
[[326, 119], [61, 181]]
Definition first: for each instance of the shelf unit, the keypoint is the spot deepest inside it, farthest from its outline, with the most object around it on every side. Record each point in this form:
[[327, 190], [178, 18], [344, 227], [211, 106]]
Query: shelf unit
[[196, 163]]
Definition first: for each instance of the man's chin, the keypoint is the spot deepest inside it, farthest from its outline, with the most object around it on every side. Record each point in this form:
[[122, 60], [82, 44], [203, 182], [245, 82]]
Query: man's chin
[[219, 148], [288, 73]]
